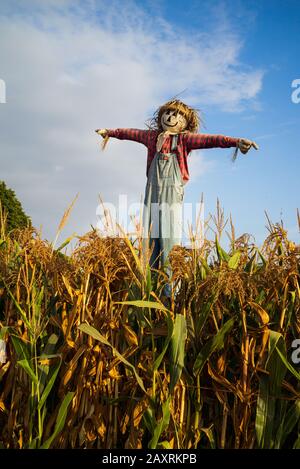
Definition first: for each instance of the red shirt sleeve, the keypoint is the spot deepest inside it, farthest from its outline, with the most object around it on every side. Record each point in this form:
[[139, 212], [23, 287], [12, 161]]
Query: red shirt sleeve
[[196, 141], [137, 135]]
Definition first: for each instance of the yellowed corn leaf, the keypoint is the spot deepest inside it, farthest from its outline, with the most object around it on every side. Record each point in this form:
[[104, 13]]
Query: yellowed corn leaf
[[221, 363], [92, 371], [68, 286], [44, 361], [71, 343], [4, 369], [20, 440], [72, 365], [252, 352], [113, 325], [140, 365], [139, 411], [224, 382], [264, 343], [113, 373], [97, 349], [130, 336], [101, 428], [2, 406], [67, 376], [262, 313], [64, 319], [125, 421]]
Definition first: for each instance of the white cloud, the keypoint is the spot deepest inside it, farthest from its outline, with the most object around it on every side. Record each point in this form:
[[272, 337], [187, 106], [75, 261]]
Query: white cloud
[[71, 67]]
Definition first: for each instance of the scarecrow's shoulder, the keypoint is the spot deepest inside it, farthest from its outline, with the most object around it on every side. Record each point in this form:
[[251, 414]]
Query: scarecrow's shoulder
[[153, 133], [184, 136]]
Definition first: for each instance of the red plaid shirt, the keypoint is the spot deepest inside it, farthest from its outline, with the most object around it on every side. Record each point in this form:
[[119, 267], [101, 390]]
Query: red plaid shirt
[[186, 142]]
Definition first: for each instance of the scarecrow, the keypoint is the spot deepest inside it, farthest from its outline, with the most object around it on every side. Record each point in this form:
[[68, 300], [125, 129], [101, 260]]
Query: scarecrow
[[171, 136]]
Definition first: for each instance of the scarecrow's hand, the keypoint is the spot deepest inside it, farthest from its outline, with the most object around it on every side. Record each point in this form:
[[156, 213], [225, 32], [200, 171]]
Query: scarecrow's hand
[[244, 145], [102, 132]]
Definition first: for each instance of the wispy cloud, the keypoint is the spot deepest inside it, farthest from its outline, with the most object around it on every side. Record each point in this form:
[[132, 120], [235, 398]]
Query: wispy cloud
[[71, 67]]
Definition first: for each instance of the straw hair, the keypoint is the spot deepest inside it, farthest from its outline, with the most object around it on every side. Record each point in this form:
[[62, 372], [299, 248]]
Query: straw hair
[[104, 142], [191, 115]]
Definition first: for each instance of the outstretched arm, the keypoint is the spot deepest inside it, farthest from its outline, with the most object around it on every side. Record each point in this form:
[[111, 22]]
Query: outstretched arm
[[197, 141], [137, 135]]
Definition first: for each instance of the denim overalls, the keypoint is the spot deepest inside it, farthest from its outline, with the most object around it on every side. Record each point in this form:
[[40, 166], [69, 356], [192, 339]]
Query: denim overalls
[[162, 214]]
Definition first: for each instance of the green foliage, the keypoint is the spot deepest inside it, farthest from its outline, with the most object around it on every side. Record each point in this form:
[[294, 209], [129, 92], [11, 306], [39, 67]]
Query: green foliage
[[12, 208]]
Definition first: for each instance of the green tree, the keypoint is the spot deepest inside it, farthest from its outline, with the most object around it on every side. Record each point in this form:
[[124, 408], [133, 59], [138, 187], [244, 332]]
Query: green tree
[[16, 217]]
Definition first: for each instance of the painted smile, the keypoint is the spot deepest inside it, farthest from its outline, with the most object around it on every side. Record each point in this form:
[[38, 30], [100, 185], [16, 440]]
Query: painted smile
[[170, 125]]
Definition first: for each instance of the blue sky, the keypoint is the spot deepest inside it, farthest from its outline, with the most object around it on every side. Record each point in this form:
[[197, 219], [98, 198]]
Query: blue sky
[[71, 67], [268, 179]]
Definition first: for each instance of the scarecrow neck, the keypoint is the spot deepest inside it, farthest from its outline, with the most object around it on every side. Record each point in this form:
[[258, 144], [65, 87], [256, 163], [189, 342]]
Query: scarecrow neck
[[163, 136]]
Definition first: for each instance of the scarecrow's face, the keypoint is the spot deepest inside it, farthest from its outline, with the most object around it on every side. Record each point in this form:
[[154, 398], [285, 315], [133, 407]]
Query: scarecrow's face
[[173, 121]]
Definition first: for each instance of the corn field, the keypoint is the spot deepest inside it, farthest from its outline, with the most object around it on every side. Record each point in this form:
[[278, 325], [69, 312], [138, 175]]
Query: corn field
[[96, 358]]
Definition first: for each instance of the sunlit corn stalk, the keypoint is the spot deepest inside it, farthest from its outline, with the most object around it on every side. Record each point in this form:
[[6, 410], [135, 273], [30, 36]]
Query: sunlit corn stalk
[[63, 221]]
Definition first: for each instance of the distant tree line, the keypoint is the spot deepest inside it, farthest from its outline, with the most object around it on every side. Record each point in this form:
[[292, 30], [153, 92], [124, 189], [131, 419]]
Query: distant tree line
[[12, 208]]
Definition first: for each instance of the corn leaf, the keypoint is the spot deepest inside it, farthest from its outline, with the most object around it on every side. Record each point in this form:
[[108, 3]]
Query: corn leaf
[[148, 281], [297, 443], [250, 264], [21, 311], [234, 260], [279, 423], [21, 348], [216, 343], [60, 419], [137, 260], [162, 424], [96, 335], [3, 332], [48, 353], [210, 435], [143, 304], [288, 365], [66, 242], [49, 385], [177, 352], [262, 258], [170, 325], [222, 255], [149, 420], [288, 424], [204, 313], [268, 404], [262, 411], [26, 366], [204, 263]]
